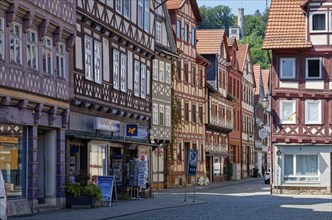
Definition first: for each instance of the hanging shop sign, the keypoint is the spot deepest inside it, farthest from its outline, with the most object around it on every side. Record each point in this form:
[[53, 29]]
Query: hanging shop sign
[[132, 130]]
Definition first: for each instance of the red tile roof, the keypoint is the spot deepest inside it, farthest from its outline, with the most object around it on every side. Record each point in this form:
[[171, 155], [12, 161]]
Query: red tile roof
[[265, 76], [257, 73], [286, 25], [241, 55], [209, 41], [177, 4]]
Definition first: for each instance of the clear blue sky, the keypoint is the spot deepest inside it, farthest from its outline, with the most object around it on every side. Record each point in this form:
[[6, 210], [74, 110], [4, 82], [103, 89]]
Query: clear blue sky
[[250, 6]]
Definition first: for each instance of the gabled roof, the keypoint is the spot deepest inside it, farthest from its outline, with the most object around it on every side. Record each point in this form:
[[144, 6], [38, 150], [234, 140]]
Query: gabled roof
[[266, 78], [210, 41], [286, 25], [178, 4], [241, 55], [257, 73]]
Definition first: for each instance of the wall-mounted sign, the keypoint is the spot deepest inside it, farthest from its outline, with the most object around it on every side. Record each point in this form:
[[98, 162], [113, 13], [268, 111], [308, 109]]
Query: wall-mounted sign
[[263, 133], [107, 124], [132, 130]]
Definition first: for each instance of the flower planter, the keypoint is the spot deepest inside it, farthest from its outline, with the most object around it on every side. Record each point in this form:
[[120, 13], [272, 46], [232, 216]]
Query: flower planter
[[80, 200]]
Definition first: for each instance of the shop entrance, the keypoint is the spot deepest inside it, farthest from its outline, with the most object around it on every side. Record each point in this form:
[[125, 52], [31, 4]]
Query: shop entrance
[[47, 167]]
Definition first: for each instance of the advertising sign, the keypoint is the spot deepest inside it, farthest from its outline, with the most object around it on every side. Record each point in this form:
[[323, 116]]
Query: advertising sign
[[131, 130], [107, 124], [192, 162], [105, 184]]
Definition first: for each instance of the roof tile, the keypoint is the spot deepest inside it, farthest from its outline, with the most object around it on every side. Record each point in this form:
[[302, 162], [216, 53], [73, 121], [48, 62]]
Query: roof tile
[[209, 41]]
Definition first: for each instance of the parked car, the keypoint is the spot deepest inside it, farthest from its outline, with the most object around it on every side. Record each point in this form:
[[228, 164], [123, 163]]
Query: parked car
[[3, 199], [267, 178]]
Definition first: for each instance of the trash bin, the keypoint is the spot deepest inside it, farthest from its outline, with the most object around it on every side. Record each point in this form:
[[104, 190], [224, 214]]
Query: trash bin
[[255, 172]]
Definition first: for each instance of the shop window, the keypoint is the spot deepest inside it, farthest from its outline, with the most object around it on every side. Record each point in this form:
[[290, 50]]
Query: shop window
[[303, 168], [98, 161]]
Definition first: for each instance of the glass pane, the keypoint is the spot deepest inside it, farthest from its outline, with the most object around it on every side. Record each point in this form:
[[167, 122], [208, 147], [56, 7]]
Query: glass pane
[[318, 22], [287, 68], [307, 165], [1, 46], [98, 163], [62, 67], [287, 111], [288, 163], [313, 68], [313, 111]]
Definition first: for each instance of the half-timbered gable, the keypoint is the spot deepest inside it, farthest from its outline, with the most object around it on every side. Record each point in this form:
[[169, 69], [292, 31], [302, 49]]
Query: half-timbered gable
[[300, 89], [188, 84], [213, 45], [36, 37]]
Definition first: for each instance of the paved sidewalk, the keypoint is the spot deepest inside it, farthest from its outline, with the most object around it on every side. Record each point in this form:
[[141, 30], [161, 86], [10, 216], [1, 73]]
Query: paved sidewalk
[[166, 198]]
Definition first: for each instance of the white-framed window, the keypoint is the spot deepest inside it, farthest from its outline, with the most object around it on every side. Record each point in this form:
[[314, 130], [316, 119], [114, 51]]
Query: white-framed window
[[287, 68], [161, 114], [168, 74], [167, 116], [155, 70], [118, 6], [193, 36], [140, 13], [60, 60], [15, 42], [313, 111], [2, 37], [186, 33], [143, 81], [137, 68], [32, 49], [116, 64], [161, 71], [318, 21], [126, 8], [158, 32], [147, 15], [300, 168], [155, 115], [178, 29], [88, 57], [313, 68], [330, 21], [47, 55], [287, 111], [98, 59], [123, 79]]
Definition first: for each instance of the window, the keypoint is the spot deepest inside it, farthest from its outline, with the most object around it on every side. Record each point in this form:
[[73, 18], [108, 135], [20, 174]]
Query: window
[[167, 116], [47, 55], [158, 32], [178, 29], [313, 68], [301, 168], [179, 69], [200, 78], [186, 34], [193, 78], [155, 70], [15, 41], [140, 13], [143, 81], [88, 57], [179, 152], [313, 112], [118, 6], [186, 112], [201, 152], [60, 60], [32, 49], [318, 21], [161, 71], [193, 113], [193, 36], [2, 34], [98, 160], [200, 114], [161, 114], [155, 113], [168, 77], [116, 64], [123, 77], [287, 112], [98, 57], [137, 79], [147, 15], [126, 8], [186, 72]]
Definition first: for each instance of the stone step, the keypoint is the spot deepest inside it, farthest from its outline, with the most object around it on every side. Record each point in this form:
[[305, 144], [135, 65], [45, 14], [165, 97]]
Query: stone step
[[47, 208]]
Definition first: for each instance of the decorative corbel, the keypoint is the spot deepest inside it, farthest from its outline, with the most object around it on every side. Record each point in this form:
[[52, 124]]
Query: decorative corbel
[[38, 112], [57, 35], [42, 29], [65, 118], [23, 103], [52, 115], [70, 41], [11, 12], [28, 20], [5, 100]]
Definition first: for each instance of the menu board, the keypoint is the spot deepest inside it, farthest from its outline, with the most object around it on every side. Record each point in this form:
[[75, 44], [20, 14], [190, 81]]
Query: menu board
[[105, 184]]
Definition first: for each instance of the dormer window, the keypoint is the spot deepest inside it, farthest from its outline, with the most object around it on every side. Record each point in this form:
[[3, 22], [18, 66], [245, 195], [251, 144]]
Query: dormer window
[[318, 21]]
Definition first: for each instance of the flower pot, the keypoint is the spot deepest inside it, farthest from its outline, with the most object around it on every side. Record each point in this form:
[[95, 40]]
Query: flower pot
[[80, 200]]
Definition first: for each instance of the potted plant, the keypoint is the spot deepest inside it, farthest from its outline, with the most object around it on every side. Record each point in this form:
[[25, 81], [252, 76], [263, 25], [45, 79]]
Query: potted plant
[[82, 192]]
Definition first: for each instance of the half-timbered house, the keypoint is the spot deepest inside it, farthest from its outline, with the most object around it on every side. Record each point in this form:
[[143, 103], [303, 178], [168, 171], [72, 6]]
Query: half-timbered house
[[248, 85], [213, 45], [111, 90], [301, 107], [162, 73], [189, 87], [35, 37]]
